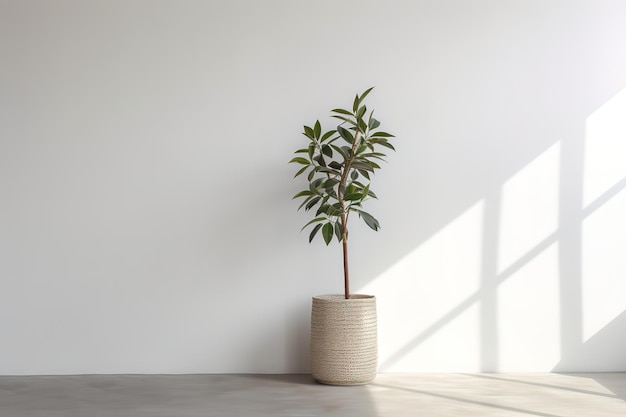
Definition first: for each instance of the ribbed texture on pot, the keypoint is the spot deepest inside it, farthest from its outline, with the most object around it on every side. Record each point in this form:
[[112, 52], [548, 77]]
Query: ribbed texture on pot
[[344, 345]]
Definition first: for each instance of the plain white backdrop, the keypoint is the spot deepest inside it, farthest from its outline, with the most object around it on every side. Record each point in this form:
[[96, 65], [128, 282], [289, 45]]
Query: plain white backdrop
[[146, 224]]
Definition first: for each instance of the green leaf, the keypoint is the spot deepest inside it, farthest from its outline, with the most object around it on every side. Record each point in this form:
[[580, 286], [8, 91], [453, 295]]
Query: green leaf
[[383, 142], [374, 165], [362, 126], [363, 166], [317, 219], [301, 170], [329, 210], [335, 165], [345, 119], [327, 150], [327, 135], [361, 112], [302, 194], [300, 160], [374, 123], [308, 132], [314, 231], [314, 185], [377, 155], [365, 192], [353, 197], [345, 133], [331, 183], [369, 220], [341, 151], [339, 231], [382, 135], [306, 200], [356, 103], [327, 232], [320, 160], [322, 209], [342, 111], [317, 129], [303, 150], [311, 203], [361, 149], [354, 175], [365, 93], [330, 171]]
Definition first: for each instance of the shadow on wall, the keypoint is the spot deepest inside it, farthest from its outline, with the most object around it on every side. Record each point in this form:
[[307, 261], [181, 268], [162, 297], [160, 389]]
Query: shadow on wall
[[604, 352], [534, 269]]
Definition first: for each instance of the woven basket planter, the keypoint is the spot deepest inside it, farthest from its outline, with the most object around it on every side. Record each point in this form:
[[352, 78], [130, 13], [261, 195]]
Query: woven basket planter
[[344, 346]]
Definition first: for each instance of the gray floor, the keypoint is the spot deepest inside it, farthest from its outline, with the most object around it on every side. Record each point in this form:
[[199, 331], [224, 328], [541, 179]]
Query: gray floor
[[394, 395]]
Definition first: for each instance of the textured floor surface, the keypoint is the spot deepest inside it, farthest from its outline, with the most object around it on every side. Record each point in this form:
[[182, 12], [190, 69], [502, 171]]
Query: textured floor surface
[[393, 395]]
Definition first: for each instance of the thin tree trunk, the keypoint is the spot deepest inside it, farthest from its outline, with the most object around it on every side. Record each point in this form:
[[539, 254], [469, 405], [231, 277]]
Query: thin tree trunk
[[344, 215], [346, 273]]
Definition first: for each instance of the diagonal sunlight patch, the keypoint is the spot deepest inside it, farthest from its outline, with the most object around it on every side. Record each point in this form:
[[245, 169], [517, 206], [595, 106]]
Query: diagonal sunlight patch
[[435, 278], [529, 207], [604, 265], [604, 225], [605, 148], [437, 322], [529, 324]]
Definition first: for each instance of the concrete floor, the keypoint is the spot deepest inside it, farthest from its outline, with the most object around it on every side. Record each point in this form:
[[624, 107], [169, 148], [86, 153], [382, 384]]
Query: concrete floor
[[394, 395]]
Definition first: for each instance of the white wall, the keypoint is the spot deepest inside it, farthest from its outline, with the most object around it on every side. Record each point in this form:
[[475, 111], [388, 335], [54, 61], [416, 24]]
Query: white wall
[[145, 216]]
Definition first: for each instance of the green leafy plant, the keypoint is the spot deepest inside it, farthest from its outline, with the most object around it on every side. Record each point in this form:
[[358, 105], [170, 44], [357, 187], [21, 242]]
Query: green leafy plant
[[338, 165]]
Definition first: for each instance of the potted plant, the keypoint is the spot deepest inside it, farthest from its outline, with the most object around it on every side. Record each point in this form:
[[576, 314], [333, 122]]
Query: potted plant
[[338, 165]]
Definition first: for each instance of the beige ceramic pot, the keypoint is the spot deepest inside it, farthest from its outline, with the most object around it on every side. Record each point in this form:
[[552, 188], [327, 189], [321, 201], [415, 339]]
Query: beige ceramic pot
[[344, 345]]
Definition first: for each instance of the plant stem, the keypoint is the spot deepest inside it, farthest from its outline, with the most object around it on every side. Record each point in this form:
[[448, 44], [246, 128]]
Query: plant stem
[[344, 214], [346, 275]]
